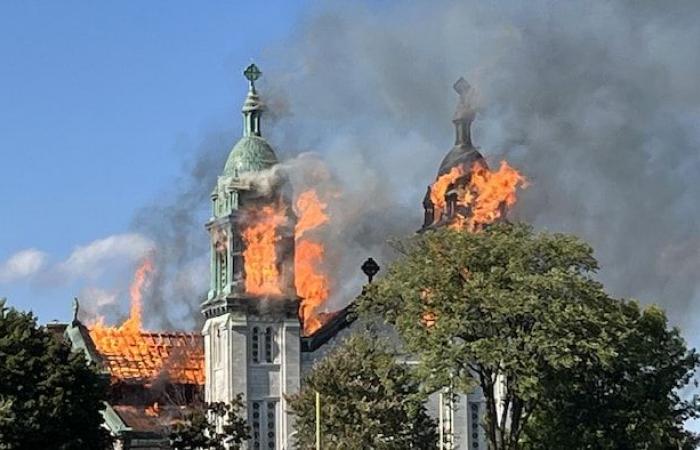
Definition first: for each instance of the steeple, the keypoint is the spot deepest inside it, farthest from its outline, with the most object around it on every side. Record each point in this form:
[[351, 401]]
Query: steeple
[[464, 115], [252, 107], [252, 329], [463, 153], [252, 153]]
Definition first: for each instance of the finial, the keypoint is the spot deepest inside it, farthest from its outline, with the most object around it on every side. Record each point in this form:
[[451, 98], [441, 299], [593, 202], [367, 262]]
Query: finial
[[370, 268], [465, 113], [76, 308], [252, 73], [465, 108], [462, 87]]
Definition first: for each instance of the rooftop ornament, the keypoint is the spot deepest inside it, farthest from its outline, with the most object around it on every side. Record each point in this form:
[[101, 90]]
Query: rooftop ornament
[[76, 310], [252, 73], [370, 268]]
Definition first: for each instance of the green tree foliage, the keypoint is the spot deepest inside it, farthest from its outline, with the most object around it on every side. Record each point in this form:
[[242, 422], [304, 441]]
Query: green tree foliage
[[217, 426], [510, 310], [632, 403], [51, 398], [368, 400]]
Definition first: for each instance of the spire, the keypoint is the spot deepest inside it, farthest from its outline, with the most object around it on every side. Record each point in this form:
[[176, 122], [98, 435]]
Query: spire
[[252, 107], [465, 113]]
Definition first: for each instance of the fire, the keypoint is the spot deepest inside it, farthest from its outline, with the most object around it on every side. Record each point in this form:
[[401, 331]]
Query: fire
[[311, 212], [494, 191], [133, 323], [153, 410], [262, 276], [439, 188], [485, 195], [310, 282], [129, 353]]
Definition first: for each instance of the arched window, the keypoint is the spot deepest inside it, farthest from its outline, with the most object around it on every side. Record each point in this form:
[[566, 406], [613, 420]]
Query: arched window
[[216, 348], [271, 424], [255, 345], [474, 410], [263, 423], [269, 345], [255, 422]]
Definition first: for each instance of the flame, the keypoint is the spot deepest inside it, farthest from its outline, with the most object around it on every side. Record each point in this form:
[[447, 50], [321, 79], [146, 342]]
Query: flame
[[494, 191], [153, 410], [439, 188], [485, 196], [262, 276], [310, 282], [133, 323], [311, 212], [129, 353]]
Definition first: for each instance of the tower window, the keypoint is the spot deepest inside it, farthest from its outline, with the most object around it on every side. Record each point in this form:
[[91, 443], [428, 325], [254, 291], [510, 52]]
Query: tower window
[[271, 424], [474, 407], [263, 423], [269, 345], [255, 345], [216, 348], [255, 424], [223, 269]]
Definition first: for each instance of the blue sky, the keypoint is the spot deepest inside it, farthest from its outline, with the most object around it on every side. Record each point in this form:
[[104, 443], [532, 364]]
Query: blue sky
[[97, 104]]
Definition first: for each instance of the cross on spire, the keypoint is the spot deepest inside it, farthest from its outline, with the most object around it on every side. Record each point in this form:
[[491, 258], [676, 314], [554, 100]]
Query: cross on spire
[[252, 73]]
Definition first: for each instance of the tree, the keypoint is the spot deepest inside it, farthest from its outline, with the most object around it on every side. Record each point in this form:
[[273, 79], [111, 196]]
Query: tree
[[368, 400], [514, 313], [633, 403], [217, 426], [50, 397]]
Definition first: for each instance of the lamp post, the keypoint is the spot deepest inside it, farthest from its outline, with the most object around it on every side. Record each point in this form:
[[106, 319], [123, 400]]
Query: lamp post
[[318, 421]]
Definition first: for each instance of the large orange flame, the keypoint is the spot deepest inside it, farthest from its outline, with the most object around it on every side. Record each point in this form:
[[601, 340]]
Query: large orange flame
[[495, 191], [310, 281], [439, 188], [129, 353], [133, 323], [485, 196], [262, 275]]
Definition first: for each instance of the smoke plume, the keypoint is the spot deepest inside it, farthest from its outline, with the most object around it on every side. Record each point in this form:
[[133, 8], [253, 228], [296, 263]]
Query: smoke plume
[[175, 222], [595, 102]]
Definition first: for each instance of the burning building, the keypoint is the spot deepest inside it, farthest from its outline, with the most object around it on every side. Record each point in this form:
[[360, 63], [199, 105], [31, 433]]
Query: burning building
[[264, 325]]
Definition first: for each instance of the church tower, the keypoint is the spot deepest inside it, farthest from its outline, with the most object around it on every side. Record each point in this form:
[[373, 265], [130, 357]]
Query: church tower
[[252, 330]]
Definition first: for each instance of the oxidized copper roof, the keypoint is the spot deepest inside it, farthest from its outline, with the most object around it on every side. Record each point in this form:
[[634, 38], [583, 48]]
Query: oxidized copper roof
[[137, 418]]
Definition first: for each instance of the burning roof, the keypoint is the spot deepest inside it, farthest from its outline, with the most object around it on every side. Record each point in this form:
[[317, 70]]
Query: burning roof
[[143, 357], [132, 355]]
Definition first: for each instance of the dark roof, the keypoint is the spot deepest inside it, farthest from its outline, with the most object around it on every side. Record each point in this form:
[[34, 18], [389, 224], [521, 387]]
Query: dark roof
[[338, 321], [462, 155], [139, 418]]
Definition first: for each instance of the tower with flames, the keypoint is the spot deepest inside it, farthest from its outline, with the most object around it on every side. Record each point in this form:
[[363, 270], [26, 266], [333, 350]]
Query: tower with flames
[[252, 330]]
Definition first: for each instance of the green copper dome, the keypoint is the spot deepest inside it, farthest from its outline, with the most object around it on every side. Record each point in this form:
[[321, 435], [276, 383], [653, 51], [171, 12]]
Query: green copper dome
[[250, 154]]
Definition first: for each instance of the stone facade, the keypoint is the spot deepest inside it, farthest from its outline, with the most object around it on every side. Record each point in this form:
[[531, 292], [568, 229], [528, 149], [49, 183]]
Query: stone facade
[[253, 344]]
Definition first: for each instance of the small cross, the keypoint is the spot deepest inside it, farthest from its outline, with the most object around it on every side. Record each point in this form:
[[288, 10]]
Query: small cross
[[252, 73], [370, 268], [462, 87]]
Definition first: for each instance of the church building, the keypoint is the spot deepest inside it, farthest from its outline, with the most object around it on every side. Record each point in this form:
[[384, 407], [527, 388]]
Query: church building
[[252, 342]]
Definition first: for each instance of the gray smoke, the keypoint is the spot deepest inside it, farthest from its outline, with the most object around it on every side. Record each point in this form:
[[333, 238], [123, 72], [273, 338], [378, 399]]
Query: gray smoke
[[595, 102], [175, 222]]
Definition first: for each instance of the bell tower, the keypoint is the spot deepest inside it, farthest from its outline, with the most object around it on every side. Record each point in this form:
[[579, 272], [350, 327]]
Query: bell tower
[[252, 330]]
